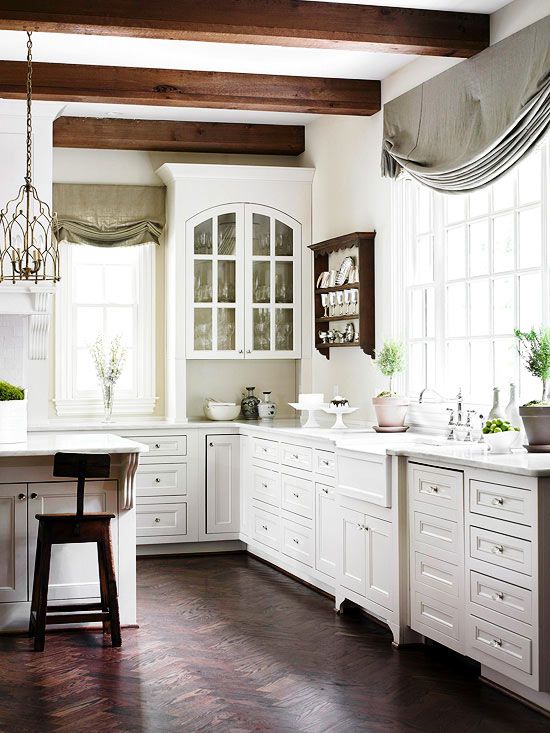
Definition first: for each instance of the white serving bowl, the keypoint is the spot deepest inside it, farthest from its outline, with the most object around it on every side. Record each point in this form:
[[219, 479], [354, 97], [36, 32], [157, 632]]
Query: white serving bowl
[[501, 442], [214, 411]]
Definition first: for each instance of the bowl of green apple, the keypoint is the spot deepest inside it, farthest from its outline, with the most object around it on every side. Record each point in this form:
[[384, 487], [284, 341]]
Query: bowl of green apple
[[500, 435]]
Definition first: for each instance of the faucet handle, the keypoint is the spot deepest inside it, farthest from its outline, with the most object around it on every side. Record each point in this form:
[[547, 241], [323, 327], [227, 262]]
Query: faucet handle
[[469, 414], [451, 412]]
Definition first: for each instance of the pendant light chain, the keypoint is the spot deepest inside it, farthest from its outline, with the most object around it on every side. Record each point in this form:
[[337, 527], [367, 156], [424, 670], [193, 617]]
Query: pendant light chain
[[28, 177]]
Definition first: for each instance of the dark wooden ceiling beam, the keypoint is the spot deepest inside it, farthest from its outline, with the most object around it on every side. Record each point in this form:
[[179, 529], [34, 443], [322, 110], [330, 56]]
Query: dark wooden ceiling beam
[[175, 136], [170, 88], [272, 22]]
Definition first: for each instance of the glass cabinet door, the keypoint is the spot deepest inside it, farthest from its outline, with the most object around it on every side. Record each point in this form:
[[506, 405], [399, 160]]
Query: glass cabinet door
[[272, 271], [215, 283]]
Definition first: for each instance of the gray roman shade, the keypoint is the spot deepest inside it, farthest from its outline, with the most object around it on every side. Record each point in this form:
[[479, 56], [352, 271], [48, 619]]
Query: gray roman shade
[[466, 127], [109, 216]]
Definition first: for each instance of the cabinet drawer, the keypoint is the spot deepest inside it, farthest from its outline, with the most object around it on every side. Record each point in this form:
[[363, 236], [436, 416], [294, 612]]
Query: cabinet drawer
[[437, 575], [298, 542], [163, 445], [297, 456], [430, 614], [364, 478], [265, 486], [267, 450], [325, 463], [502, 502], [511, 600], [161, 480], [506, 646], [500, 549], [437, 533], [297, 495], [266, 528], [161, 519], [438, 488]]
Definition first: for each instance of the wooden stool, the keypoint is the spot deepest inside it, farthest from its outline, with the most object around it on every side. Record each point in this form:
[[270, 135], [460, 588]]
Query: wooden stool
[[70, 528]]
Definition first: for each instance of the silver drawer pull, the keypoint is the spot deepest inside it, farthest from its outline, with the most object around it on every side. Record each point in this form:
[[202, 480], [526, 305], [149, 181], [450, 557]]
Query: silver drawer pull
[[324, 490], [434, 489], [498, 596], [325, 463], [157, 520], [295, 456], [363, 527], [157, 480], [264, 526], [496, 642], [295, 540], [210, 445], [264, 485], [157, 445], [498, 501], [264, 450], [498, 549], [297, 496]]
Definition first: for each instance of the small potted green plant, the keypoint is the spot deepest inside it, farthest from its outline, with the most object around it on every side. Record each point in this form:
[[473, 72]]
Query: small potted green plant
[[534, 349], [13, 413], [390, 408]]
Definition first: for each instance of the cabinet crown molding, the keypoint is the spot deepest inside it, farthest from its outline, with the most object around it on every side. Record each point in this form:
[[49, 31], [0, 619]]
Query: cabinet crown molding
[[171, 172]]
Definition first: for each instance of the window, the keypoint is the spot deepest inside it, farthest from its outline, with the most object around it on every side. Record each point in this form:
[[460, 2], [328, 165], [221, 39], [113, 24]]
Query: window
[[476, 267], [105, 291]]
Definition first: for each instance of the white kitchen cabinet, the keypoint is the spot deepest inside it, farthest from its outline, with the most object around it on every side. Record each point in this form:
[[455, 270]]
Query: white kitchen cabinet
[[222, 484], [244, 283], [379, 561], [354, 551], [13, 542], [73, 570], [326, 525]]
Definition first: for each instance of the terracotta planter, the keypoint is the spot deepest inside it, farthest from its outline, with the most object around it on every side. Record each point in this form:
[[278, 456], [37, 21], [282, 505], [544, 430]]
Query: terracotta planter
[[13, 421], [536, 421], [390, 411]]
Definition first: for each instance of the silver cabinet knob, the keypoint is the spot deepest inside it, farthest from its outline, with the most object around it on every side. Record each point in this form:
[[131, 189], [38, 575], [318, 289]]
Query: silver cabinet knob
[[295, 495], [324, 489], [498, 501], [248, 351], [498, 596], [295, 540], [157, 445], [22, 497], [325, 463], [157, 480], [157, 520], [497, 642], [498, 549], [211, 445], [34, 496], [240, 351], [264, 485], [295, 456], [264, 527], [434, 489]]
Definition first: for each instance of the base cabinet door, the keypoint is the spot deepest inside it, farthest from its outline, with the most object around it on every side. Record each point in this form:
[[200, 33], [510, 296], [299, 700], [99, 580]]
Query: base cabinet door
[[73, 569], [379, 561], [353, 549], [13, 542], [326, 542], [222, 484]]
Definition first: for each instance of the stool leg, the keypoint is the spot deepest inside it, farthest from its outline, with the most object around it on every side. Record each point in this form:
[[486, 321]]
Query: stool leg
[[103, 589], [42, 599], [107, 556], [34, 598]]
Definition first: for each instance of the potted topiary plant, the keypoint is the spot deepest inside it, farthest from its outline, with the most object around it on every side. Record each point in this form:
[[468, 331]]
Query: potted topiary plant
[[13, 414], [390, 408], [534, 349]]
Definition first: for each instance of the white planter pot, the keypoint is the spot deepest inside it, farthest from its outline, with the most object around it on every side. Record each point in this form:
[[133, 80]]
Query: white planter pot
[[13, 421], [390, 411]]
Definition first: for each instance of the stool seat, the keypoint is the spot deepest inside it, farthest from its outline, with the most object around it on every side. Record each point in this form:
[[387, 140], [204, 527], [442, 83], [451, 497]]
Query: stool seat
[[74, 517], [68, 528]]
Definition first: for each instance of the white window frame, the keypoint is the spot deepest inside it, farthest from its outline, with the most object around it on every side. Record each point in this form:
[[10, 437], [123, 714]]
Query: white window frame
[[144, 401], [402, 248]]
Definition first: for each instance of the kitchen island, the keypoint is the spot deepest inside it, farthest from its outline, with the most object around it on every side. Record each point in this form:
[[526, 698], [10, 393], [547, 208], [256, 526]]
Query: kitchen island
[[28, 487]]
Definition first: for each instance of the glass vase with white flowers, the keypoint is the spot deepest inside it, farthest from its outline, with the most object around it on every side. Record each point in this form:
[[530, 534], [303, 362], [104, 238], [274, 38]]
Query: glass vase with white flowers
[[109, 362]]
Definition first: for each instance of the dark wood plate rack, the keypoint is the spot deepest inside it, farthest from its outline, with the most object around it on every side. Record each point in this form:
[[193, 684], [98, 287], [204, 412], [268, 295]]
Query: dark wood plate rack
[[363, 243]]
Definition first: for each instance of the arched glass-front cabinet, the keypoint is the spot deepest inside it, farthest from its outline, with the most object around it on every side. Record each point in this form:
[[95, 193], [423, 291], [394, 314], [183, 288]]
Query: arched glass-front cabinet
[[243, 295]]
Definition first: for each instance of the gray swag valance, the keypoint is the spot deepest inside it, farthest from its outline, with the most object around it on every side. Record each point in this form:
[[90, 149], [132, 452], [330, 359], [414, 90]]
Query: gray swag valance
[[109, 216], [468, 126]]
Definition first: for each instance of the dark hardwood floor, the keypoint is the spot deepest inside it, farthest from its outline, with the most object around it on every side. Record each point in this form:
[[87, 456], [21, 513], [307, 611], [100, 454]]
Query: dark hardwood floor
[[228, 644]]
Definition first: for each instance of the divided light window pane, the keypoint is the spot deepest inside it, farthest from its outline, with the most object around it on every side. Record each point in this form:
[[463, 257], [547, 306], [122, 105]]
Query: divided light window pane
[[481, 262]]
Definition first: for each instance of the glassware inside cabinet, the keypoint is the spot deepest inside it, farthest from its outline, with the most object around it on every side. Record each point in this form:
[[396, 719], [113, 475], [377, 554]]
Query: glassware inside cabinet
[[284, 329], [226, 281], [284, 275], [261, 239], [203, 281], [261, 275], [226, 234], [261, 327], [226, 329], [284, 245], [203, 238], [203, 329]]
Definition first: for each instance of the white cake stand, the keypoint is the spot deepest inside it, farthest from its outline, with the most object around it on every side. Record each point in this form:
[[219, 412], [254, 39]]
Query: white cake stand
[[311, 421], [339, 412]]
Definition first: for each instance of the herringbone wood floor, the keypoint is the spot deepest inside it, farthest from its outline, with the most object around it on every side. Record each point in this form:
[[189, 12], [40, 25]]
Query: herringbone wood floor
[[228, 644]]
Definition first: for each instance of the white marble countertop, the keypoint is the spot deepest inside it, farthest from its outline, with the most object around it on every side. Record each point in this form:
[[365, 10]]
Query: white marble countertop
[[45, 444]]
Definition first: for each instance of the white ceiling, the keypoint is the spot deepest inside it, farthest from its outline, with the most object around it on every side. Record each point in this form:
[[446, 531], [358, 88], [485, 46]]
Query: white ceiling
[[156, 53]]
